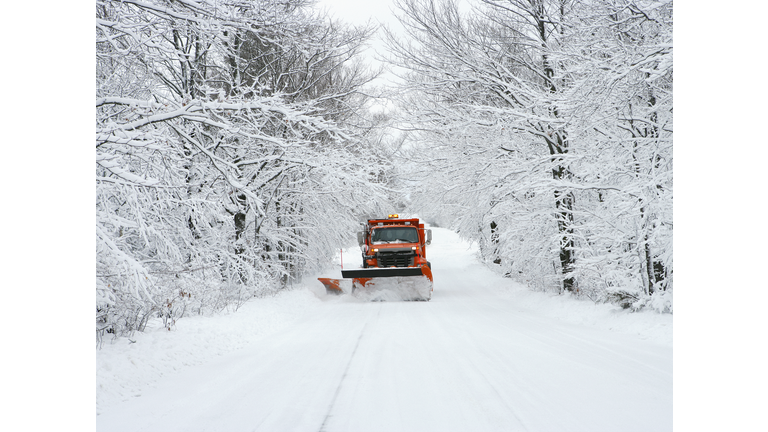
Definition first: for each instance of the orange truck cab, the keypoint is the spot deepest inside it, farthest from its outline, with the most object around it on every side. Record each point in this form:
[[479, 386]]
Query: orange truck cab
[[394, 243], [394, 250]]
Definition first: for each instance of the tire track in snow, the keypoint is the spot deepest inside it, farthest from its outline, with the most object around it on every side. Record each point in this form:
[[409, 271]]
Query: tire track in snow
[[582, 354], [470, 365], [571, 337], [344, 375]]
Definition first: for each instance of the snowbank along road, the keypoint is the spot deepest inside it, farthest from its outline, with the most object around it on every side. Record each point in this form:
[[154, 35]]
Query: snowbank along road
[[471, 359]]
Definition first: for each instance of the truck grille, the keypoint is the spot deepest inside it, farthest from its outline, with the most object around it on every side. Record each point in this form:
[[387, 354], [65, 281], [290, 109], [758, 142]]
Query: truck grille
[[396, 259]]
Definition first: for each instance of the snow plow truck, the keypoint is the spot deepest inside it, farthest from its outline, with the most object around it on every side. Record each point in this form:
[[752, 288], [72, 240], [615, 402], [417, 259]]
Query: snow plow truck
[[395, 265]]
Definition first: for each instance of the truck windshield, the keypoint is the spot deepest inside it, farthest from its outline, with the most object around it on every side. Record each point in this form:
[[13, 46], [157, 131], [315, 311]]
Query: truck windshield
[[395, 235]]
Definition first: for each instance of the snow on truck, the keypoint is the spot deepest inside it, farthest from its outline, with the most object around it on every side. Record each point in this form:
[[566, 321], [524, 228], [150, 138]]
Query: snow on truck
[[395, 265]]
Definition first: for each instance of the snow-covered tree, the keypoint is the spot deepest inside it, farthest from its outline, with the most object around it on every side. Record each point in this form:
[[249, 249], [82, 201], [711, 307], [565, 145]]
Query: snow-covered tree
[[552, 119], [231, 152]]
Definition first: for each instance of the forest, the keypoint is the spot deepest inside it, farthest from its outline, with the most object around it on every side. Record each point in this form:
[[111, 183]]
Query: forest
[[238, 148]]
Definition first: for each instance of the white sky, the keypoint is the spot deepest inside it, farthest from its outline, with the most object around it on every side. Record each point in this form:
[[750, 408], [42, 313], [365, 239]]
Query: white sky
[[359, 11], [362, 12]]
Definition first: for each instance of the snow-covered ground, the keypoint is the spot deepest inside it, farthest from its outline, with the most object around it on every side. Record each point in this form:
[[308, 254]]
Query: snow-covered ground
[[484, 354], [128, 366]]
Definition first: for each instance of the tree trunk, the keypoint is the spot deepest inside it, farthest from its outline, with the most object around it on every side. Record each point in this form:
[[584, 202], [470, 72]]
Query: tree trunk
[[239, 230], [564, 204], [558, 145], [495, 243]]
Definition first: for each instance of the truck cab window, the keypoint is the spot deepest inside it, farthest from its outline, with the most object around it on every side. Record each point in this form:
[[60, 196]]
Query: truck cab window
[[395, 235]]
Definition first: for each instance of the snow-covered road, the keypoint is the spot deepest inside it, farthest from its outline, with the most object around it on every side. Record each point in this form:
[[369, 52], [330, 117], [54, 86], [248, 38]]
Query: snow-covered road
[[475, 358]]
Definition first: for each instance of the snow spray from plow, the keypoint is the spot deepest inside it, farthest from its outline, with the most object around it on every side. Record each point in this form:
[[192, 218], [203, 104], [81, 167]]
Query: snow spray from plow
[[395, 265], [383, 284]]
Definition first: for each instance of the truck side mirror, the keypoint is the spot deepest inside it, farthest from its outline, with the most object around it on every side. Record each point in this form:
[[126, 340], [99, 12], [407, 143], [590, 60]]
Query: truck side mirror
[[429, 237], [360, 238]]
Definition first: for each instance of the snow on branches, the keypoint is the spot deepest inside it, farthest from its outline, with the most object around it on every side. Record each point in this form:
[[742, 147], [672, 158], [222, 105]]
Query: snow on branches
[[553, 120], [229, 153]]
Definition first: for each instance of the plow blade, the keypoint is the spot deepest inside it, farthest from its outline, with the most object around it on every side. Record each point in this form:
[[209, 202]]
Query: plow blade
[[385, 272], [381, 284], [333, 286]]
